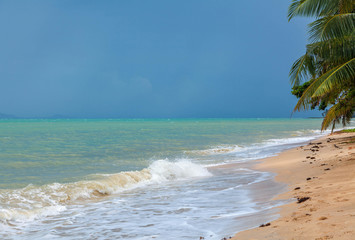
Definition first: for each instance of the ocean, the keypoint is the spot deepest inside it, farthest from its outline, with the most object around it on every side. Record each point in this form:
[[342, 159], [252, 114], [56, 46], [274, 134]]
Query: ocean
[[140, 178]]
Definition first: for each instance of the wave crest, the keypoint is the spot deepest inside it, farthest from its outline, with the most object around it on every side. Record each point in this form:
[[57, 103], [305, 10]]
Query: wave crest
[[32, 202]]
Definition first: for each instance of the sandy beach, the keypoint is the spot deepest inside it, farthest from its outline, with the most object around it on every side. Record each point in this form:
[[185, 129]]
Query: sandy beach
[[321, 181]]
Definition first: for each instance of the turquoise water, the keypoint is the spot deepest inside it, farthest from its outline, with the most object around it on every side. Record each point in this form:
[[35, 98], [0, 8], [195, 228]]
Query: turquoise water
[[45, 151], [140, 179]]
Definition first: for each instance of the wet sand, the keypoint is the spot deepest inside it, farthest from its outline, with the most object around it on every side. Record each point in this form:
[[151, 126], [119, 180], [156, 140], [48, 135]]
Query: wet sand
[[321, 182]]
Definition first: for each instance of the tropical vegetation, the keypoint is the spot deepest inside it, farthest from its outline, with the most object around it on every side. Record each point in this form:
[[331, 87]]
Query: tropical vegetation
[[324, 76], [349, 130]]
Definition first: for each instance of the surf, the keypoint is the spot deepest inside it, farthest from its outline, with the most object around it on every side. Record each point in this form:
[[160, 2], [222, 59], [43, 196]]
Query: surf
[[33, 202]]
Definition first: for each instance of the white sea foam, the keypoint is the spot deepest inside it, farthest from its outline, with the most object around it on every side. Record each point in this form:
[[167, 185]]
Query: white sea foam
[[217, 150], [22, 215], [240, 153], [163, 170], [286, 141], [33, 202]]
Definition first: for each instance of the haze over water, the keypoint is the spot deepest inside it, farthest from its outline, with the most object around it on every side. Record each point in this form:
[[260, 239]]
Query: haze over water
[[139, 179]]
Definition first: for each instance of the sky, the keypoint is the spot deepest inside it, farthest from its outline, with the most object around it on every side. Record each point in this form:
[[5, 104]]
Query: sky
[[148, 59]]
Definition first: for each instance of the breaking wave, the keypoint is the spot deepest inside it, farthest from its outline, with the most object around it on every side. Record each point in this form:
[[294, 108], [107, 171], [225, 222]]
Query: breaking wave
[[32, 202]]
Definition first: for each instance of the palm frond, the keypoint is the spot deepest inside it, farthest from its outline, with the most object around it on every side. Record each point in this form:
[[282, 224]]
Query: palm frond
[[342, 111], [312, 8], [346, 6], [305, 100], [301, 69], [340, 76], [331, 27], [334, 51]]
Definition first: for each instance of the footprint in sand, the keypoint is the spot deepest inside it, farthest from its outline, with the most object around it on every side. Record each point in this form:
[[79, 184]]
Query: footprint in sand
[[313, 209], [340, 199], [322, 201], [324, 238]]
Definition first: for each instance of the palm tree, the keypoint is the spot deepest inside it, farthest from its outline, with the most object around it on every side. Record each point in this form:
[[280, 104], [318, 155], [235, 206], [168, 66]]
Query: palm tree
[[327, 69]]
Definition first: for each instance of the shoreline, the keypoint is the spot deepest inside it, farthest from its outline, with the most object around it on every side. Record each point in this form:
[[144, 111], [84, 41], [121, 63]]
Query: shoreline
[[320, 176]]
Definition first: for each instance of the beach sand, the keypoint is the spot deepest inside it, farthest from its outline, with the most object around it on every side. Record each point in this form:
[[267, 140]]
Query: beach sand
[[321, 180]]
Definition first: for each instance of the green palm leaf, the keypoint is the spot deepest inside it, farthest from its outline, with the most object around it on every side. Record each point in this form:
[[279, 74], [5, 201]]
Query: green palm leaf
[[332, 27], [335, 51], [301, 69], [306, 99], [342, 75], [340, 111], [324, 84], [312, 8]]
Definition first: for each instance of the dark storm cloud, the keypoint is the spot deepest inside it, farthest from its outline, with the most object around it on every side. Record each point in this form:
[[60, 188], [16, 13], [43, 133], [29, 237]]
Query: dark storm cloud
[[147, 58]]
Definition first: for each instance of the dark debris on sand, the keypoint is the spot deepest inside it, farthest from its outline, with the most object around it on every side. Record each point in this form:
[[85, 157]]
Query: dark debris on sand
[[302, 199], [265, 225]]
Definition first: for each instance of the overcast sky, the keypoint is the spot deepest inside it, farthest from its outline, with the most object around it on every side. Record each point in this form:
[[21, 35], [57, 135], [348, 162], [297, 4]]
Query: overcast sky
[[156, 58]]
